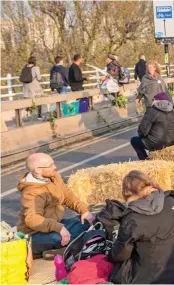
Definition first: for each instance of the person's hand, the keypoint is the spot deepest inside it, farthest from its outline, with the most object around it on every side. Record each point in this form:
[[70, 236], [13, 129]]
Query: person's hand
[[137, 101], [88, 217], [65, 236]]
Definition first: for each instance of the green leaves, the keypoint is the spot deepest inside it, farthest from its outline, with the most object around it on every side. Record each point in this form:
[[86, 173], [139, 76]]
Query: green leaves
[[120, 101]]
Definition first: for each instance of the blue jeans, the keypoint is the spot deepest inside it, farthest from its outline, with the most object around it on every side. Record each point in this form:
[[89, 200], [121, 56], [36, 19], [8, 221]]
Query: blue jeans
[[139, 147], [52, 240], [62, 90]]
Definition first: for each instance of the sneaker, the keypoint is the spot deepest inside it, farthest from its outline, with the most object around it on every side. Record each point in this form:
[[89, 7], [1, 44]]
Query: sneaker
[[50, 254]]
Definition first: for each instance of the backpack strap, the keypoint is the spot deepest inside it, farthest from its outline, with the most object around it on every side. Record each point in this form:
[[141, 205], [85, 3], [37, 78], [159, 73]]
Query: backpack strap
[[92, 234]]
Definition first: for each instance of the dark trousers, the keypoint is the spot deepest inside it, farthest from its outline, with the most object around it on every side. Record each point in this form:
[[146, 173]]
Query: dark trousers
[[52, 240], [139, 147]]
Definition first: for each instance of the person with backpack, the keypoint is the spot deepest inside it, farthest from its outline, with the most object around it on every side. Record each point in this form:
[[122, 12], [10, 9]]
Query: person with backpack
[[76, 78], [143, 252], [30, 77], [59, 76], [44, 196], [140, 68]]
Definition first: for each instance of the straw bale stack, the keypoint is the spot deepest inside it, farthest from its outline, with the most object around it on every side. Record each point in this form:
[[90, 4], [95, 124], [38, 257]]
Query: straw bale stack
[[96, 184], [164, 154]]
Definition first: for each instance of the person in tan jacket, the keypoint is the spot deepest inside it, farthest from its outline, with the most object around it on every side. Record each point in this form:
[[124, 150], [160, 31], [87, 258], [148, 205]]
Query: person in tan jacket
[[43, 197]]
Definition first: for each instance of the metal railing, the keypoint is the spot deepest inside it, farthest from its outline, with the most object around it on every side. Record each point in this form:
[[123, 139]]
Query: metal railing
[[13, 87]]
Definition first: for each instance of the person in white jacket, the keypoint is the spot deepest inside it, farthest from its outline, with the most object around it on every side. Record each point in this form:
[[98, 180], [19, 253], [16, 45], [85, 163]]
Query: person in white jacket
[[33, 89]]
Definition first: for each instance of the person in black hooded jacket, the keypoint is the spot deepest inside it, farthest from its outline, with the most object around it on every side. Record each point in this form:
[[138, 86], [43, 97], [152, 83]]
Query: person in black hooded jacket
[[143, 252], [156, 130]]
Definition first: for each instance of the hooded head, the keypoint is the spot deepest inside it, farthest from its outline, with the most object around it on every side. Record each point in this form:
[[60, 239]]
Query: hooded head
[[161, 102]]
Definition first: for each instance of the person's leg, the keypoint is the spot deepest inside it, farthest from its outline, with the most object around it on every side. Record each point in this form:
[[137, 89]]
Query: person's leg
[[75, 227], [45, 241], [139, 147], [62, 90], [39, 111]]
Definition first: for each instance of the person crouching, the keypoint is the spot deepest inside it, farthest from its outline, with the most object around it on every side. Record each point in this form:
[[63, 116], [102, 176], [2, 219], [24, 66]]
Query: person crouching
[[156, 129]]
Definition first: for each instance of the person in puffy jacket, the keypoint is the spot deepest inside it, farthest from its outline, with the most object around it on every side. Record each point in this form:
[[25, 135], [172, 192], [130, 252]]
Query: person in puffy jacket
[[156, 130], [152, 83], [143, 252]]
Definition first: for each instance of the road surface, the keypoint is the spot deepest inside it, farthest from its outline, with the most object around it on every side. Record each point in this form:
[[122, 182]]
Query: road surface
[[109, 148]]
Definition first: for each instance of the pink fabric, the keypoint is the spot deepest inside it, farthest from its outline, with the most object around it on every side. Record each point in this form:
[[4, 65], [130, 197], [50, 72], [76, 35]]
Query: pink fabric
[[91, 271]]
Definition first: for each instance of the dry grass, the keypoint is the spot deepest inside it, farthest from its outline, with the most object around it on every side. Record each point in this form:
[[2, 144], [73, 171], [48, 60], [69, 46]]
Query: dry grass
[[96, 184], [166, 154]]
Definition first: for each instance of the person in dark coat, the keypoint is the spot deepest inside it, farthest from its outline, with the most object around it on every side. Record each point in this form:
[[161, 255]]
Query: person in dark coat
[[63, 71], [75, 74], [143, 252], [156, 130], [140, 68]]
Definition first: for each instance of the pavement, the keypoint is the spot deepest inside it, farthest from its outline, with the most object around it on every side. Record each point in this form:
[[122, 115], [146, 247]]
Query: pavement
[[109, 148]]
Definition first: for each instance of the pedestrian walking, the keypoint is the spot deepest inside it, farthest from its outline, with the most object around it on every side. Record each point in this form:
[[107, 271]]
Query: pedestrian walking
[[76, 78], [30, 77], [140, 68], [59, 76]]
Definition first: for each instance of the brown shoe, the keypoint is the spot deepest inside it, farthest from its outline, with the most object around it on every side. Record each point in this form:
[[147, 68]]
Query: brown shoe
[[50, 254]]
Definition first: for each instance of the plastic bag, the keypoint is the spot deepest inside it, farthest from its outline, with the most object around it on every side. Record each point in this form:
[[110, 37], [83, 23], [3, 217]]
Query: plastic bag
[[16, 261]]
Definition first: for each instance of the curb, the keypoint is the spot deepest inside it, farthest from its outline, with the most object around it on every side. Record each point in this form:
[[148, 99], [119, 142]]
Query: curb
[[9, 159]]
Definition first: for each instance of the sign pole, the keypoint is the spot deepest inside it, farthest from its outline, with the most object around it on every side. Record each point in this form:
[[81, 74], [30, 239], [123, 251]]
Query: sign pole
[[166, 59]]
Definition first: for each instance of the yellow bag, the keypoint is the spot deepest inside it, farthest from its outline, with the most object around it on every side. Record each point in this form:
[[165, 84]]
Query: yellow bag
[[14, 262]]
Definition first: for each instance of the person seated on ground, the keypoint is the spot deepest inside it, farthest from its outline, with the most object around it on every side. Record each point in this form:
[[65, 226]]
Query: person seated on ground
[[156, 130], [43, 196], [143, 252]]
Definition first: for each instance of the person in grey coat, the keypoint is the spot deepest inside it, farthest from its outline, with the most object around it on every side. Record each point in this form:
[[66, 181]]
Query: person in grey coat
[[152, 83], [33, 89]]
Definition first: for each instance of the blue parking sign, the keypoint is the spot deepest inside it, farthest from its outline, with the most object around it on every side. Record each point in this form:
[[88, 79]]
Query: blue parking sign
[[164, 12]]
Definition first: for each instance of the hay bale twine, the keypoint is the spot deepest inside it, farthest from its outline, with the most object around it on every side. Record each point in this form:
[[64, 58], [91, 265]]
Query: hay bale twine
[[164, 154], [96, 184]]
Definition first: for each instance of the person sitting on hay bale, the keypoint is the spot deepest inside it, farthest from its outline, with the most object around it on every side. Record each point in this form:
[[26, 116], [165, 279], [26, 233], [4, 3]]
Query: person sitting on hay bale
[[143, 252], [156, 130], [43, 194]]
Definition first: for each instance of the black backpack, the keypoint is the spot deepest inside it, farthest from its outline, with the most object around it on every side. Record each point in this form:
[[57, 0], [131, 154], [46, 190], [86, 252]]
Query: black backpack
[[56, 81], [87, 244], [26, 75], [110, 217]]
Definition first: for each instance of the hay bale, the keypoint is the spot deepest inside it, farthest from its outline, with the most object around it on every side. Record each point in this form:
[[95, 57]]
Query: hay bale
[[96, 184], [164, 154]]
